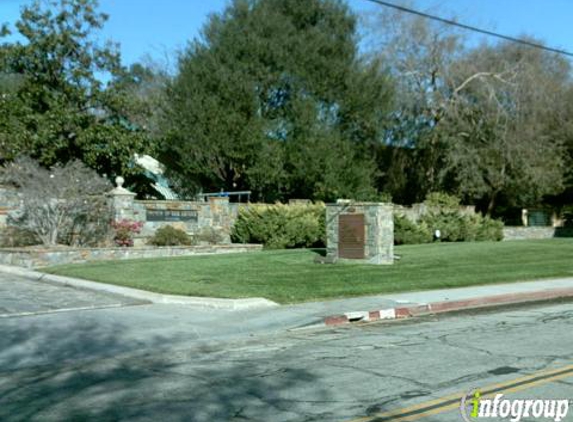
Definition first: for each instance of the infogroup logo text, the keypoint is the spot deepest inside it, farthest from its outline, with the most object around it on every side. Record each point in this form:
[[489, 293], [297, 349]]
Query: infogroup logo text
[[474, 407]]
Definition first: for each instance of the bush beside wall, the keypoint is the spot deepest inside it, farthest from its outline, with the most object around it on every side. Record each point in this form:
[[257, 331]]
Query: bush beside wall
[[281, 226], [445, 214], [407, 232], [169, 236], [457, 227]]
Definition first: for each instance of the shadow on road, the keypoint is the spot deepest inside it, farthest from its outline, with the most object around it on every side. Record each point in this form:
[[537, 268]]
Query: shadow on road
[[84, 373]]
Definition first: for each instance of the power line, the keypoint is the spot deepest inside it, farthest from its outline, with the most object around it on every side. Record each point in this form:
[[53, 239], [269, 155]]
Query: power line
[[469, 27]]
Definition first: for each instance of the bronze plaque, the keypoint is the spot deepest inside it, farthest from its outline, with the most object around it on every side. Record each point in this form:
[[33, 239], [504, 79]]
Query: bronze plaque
[[351, 236]]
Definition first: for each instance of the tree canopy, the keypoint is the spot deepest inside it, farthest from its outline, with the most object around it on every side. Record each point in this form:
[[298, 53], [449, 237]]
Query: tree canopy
[[502, 137], [54, 106], [276, 99], [283, 98], [488, 123]]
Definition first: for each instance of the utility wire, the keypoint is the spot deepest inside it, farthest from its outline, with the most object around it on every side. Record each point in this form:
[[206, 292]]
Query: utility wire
[[469, 28]]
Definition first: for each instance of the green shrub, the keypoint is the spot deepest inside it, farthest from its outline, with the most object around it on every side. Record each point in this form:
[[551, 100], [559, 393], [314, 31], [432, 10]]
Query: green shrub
[[407, 232], [211, 236], [442, 200], [450, 224], [281, 226], [457, 227], [567, 214], [490, 229], [169, 236]]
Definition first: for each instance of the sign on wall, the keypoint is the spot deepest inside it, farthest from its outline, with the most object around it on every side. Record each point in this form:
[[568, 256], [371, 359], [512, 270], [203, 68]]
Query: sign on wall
[[172, 215]]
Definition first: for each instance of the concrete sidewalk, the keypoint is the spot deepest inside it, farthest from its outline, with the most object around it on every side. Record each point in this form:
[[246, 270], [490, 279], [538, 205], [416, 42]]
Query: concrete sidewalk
[[402, 305], [134, 328], [137, 294], [238, 317]]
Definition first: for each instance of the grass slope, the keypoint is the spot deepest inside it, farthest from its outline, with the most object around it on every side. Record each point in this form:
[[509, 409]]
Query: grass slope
[[289, 276]]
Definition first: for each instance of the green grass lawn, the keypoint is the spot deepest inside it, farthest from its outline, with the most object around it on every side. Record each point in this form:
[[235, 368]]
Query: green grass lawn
[[289, 276]]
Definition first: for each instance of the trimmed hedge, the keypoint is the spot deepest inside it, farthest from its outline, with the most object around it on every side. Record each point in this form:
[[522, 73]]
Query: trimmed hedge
[[170, 236], [445, 216], [210, 235], [442, 200], [281, 226], [453, 225], [457, 227], [407, 232]]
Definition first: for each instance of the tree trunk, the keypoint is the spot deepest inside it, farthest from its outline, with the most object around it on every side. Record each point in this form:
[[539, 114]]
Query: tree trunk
[[491, 204], [54, 237]]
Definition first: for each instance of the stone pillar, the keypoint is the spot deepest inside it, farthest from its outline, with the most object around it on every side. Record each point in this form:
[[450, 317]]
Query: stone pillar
[[360, 231], [9, 202], [122, 201], [524, 217], [221, 216]]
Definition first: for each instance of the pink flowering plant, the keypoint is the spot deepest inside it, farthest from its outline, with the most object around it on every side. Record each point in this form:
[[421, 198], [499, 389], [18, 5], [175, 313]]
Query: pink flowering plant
[[125, 230]]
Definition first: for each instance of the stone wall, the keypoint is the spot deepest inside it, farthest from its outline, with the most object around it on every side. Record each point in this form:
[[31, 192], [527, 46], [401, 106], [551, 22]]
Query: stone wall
[[38, 257], [9, 201], [532, 233], [415, 212], [192, 217], [378, 231], [195, 218]]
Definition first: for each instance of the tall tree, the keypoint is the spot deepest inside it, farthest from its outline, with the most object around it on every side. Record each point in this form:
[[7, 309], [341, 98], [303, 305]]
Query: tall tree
[[420, 55], [274, 98], [57, 108], [144, 88], [486, 123], [503, 133]]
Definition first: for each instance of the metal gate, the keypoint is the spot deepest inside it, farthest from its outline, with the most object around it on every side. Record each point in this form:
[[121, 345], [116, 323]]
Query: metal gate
[[351, 236]]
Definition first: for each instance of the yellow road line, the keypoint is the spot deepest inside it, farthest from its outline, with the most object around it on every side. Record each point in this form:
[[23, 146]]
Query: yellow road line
[[457, 405], [396, 413]]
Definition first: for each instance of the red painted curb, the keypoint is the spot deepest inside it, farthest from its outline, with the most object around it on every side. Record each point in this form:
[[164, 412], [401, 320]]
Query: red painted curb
[[503, 299], [374, 315], [451, 306], [336, 320], [411, 311]]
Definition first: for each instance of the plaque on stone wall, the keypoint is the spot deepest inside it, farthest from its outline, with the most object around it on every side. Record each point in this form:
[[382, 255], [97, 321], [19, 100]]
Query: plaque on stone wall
[[351, 236], [172, 215]]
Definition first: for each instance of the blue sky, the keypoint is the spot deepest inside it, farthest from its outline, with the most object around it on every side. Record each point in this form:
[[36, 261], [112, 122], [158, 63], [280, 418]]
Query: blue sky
[[160, 27]]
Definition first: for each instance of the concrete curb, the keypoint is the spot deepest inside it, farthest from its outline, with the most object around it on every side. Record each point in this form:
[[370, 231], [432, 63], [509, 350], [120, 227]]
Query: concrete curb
[[207, 302], [415, 310]]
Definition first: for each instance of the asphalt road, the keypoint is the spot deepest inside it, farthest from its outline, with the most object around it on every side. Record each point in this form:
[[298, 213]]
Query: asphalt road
[[21, 297], [80, 365]]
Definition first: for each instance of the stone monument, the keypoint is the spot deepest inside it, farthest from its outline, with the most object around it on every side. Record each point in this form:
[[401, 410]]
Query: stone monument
[[360, 231]]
